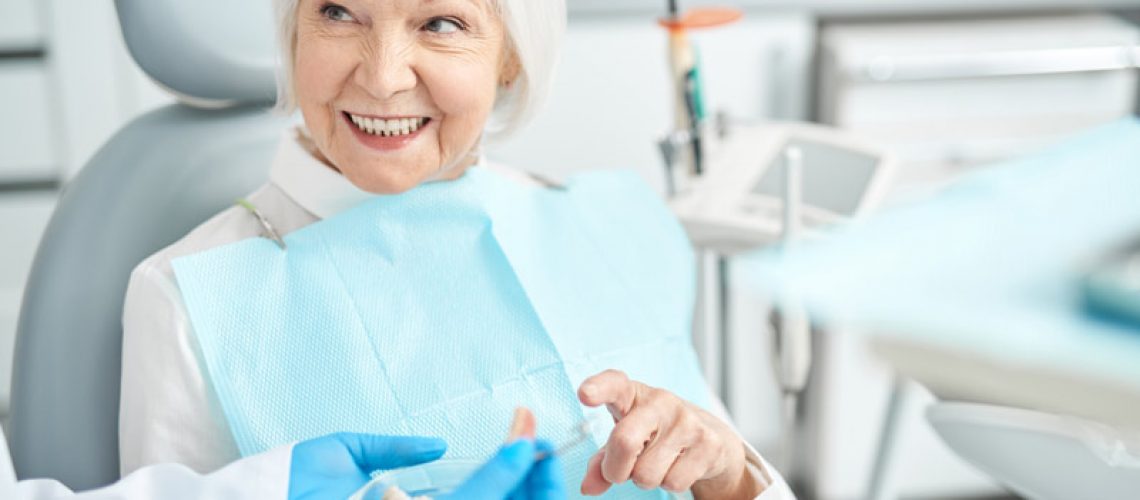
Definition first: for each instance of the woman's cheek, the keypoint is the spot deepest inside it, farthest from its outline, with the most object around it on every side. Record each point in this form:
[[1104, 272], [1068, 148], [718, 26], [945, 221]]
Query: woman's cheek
[[450, 81], [324, 64], [465, 107]]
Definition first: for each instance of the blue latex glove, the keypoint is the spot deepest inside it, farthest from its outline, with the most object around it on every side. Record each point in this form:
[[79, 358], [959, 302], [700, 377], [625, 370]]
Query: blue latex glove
[[515, 474], [337, 465]]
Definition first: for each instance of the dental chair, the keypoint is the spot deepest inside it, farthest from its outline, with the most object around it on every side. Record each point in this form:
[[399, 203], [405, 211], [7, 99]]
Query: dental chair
[[1042, 456], [154, 181]]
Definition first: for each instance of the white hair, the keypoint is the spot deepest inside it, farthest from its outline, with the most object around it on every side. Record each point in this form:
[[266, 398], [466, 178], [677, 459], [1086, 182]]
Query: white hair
[[534, 35]]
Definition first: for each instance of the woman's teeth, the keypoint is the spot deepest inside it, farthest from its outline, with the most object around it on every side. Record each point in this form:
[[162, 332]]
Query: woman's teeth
[[388, 128]]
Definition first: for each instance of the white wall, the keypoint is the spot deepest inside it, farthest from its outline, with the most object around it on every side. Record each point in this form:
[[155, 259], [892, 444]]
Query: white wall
[[611, 101]]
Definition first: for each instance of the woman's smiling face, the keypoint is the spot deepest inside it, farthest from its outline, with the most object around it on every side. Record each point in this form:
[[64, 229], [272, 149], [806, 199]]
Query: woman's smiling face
[[397, 92]]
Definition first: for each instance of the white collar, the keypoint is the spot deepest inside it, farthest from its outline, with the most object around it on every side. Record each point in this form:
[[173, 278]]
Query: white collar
[[319, 189]]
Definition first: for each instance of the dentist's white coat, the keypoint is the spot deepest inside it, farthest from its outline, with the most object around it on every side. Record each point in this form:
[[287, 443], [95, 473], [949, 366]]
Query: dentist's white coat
[[259, 476]]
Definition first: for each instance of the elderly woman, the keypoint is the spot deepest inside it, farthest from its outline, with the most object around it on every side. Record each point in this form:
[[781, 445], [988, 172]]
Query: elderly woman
[[397, 97]]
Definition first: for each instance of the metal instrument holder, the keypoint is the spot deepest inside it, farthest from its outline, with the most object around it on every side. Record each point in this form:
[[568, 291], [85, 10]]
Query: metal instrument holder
[[792, 352], [792, 333]]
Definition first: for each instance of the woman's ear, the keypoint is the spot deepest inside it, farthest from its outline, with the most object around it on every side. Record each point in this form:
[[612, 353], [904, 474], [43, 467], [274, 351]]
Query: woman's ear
[[510, 69]]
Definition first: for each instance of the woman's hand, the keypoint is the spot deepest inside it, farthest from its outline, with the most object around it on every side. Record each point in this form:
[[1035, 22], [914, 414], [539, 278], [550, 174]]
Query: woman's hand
[[661, 440]]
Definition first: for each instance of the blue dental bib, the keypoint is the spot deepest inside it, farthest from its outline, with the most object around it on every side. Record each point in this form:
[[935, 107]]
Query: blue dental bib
[[438, 311]]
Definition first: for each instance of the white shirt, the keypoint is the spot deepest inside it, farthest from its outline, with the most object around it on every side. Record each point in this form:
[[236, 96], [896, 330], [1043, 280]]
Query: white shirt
[[168, 411]]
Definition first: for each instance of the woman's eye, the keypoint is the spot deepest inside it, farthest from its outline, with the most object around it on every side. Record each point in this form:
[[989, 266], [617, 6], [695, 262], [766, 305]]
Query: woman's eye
[[443, 26], [336, 13]]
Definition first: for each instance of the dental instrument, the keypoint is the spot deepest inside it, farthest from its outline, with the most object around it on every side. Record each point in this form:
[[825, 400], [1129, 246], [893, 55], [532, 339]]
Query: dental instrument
[[688, 103]]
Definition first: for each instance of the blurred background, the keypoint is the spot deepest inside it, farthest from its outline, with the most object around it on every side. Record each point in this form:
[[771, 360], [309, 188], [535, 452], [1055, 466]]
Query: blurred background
[[930, 80]]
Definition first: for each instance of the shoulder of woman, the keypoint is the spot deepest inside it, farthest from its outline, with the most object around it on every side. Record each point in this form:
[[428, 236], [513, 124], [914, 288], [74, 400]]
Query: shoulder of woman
[[509, 172], [231, 225], [525, 177]]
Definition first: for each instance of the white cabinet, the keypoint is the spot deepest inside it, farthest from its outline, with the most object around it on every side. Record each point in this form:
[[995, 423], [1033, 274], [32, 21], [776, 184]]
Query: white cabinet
[[67, 84], [96, 83], [26, 118], [854, 8], [952, 94], [23, 217], [27, 133], [21, 26]]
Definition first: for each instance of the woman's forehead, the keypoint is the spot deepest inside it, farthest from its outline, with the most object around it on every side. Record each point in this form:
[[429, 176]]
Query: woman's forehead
[[481, 3], [485, 5]]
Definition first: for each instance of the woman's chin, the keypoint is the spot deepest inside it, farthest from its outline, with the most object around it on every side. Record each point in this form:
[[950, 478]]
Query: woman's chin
[[391, 181]]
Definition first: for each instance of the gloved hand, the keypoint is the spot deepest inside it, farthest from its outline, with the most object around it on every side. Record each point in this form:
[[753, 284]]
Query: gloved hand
[[337, 465], [515, 474]]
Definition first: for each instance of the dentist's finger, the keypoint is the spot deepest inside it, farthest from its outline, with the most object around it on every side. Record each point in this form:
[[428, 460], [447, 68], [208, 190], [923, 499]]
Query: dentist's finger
[[372, 452], [501, 475], [544, 482]]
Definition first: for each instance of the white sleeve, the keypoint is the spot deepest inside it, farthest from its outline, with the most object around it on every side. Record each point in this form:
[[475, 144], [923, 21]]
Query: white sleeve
[[775, 487], [260, 476], [168, 411]]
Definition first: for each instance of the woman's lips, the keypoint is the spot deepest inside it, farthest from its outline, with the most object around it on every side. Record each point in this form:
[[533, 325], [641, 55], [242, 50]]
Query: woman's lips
[[386, 134]]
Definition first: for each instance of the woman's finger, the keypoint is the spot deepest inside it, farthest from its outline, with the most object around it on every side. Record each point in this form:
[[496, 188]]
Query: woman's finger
[[690, 467], [628, 439], [594, 483], [611, 388], [654, 463]]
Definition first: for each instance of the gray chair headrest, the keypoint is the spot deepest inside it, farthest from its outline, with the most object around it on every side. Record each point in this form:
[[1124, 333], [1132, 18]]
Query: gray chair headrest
[[206, 52]]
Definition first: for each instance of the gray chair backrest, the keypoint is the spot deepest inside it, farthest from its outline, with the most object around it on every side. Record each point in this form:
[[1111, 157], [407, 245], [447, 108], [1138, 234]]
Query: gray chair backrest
[[154, 181]]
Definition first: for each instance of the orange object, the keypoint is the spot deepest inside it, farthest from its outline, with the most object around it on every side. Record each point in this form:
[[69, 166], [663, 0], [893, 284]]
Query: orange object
[[523, 425], [702, 17]]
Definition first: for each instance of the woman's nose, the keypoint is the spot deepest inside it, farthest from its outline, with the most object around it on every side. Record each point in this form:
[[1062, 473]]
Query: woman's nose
[[387, 70]]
